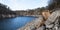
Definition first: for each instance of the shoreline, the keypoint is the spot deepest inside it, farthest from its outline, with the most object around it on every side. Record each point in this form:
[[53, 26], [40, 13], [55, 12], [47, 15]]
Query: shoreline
[[7, 16], [33, 24]]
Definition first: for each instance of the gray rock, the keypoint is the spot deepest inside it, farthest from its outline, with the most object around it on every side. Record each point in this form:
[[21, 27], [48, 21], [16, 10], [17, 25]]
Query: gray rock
[[33, 25], [52, 21]]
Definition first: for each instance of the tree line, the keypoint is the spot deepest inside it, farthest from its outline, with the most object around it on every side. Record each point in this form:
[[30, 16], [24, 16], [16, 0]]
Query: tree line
[[52, 4], [5, 10]]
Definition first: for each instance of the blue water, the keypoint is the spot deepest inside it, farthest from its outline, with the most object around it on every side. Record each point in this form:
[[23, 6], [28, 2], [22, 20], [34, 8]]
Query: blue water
[[14, 23]]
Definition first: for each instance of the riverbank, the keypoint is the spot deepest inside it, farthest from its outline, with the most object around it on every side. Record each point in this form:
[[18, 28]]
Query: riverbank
[[2, 16], [33, 24]]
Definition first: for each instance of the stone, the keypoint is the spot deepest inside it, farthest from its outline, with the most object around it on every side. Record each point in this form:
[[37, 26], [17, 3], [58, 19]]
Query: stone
[[33, 25], [52, 21]]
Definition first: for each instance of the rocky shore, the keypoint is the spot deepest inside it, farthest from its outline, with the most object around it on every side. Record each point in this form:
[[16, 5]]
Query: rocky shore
[[52, 23], [7, 16], [33, 24]]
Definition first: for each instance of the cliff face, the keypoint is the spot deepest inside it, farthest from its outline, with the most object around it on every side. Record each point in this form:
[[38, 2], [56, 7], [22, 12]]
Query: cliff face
[[30, 12], [7, 14], [53, 22], [36, 11]]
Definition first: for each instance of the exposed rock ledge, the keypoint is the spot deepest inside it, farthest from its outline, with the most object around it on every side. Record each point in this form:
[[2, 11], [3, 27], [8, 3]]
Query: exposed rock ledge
[[6, 16]]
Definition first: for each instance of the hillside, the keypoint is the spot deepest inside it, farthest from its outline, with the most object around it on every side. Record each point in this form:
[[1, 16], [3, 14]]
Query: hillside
[[6, 11]]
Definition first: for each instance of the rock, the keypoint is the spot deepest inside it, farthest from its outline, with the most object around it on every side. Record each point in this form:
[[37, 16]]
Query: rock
[[3, 16], [41, 28], [52, 21], [33, 25]]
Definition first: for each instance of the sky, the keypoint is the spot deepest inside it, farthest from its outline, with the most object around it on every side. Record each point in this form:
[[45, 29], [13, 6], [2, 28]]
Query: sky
[[24, 4]]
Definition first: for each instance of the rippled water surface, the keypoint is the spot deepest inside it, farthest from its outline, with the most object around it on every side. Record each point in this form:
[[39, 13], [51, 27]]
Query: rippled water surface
[[14, 23]]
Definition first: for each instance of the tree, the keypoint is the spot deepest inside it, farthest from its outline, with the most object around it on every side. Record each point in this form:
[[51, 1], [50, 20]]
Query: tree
[[53, 4], [5, 10]]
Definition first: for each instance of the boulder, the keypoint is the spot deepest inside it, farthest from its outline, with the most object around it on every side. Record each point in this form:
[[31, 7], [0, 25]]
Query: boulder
[[52, 21]]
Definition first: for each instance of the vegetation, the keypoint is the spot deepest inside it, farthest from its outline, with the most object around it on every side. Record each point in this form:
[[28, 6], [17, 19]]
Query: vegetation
[[5, 10], [53, 4]]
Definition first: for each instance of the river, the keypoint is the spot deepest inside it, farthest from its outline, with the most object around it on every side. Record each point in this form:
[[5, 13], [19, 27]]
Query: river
[[14, 23]]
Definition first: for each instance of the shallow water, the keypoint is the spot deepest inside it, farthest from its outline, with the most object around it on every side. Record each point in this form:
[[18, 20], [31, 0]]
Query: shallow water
[[14, 23]]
